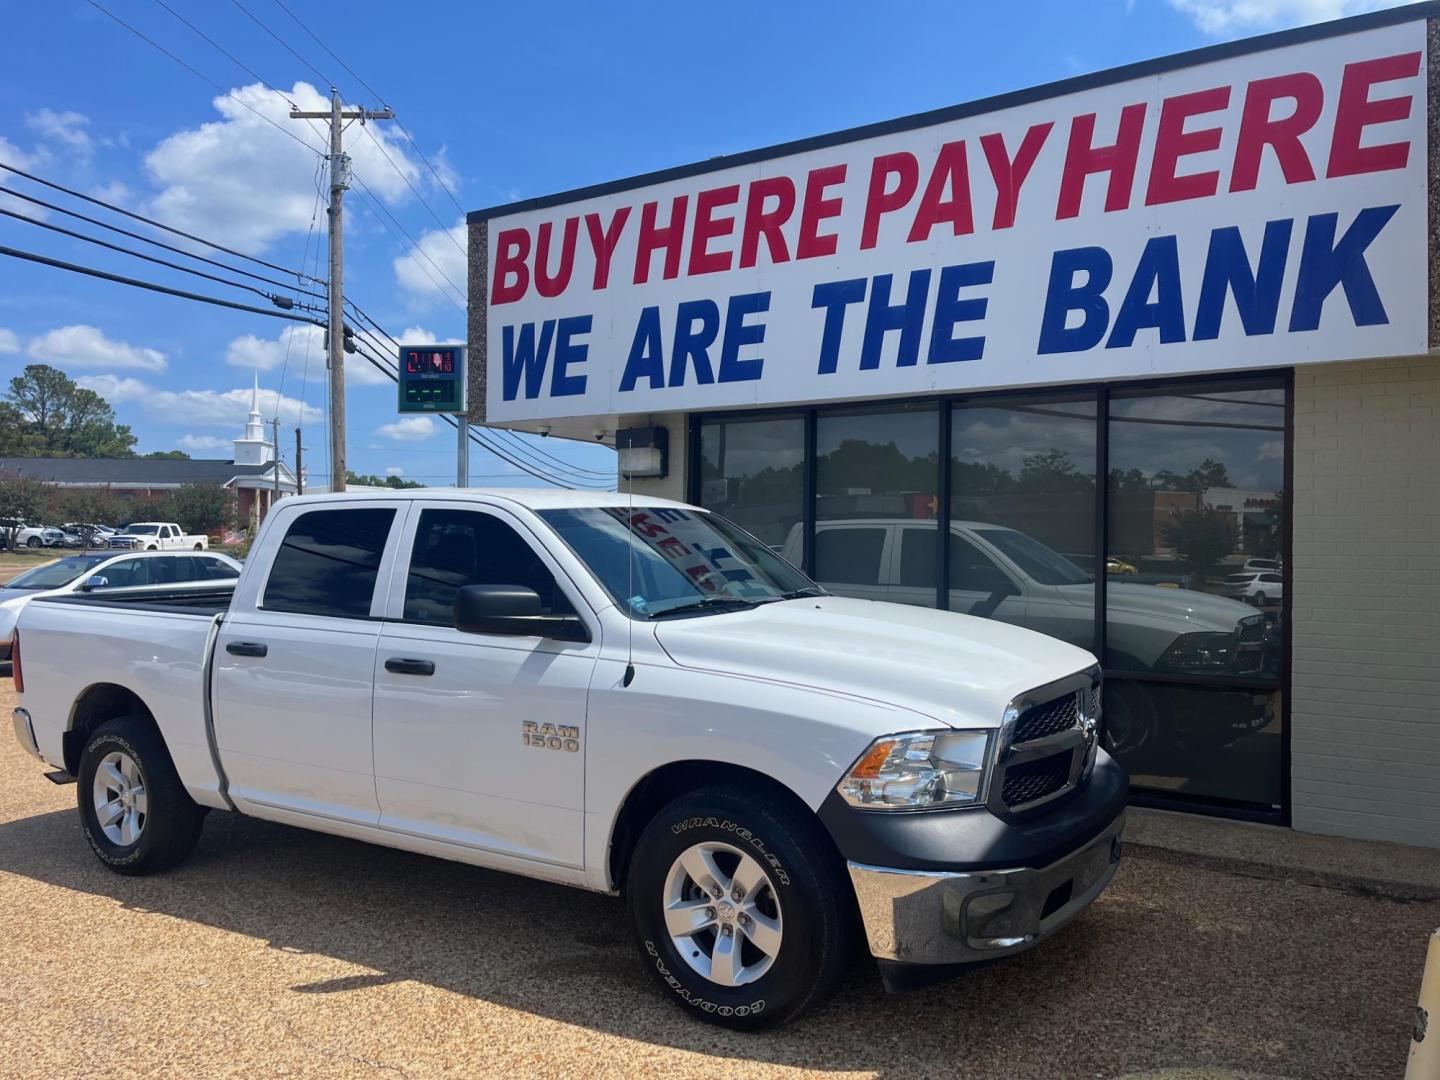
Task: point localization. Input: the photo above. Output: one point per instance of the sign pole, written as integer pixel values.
(462, 452)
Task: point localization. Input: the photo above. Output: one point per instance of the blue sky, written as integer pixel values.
(506, 102)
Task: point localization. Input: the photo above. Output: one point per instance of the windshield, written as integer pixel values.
(142, 530)
(1034, 558)
(681, 559)
(53, 575)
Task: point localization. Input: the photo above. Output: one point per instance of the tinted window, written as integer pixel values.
(127, 573)
(917, 557)
(328, 562)
(971, 570)
(849, 556)
(467, 547)
(53, 575)
(752, 472)
(214, 570)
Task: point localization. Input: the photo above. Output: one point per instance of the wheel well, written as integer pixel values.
(95, 705)
(659, 787)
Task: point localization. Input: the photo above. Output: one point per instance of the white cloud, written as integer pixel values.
(408, 429)
(9, 343)
(13, 155)
(66, 129)
(201, 408)
(83, 346)
(265, 354)
(247, 183)
(441, 271)
(200, 444)
(394, 470)
(1222, 17)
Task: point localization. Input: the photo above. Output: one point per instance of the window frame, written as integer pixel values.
(1280, 378)
(275, 540)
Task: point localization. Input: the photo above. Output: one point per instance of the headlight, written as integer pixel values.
(921, 770)
(1203, 650)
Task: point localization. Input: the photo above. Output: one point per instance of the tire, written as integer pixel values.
(33, 542)
(1261, 599)
(798, 905)
(1130, 721)
(199, 547)
(167, 823)
(151, 547)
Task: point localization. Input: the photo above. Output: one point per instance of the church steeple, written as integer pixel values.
(253, 448)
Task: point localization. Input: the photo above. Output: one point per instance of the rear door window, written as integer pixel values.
(849, 556)
(328, 563)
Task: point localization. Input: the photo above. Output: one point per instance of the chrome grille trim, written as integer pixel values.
(1078, 740)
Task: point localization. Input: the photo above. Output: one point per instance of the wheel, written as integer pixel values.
(33, 542)
(1261, 599)
(149, 547)
(739, 916)
(199, 547)
(1130, 721)
(136, 813)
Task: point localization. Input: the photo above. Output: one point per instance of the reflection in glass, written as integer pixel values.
(752, 472)
(1194, 742)
(1197, 502)
(1022, 508)
(877, 476)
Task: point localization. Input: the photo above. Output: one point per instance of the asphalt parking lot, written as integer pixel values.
(277, 952)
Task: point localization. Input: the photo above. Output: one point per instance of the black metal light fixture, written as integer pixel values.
(644, 452)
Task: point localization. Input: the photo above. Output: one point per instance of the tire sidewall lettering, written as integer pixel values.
(695, 1000)
(742, 833)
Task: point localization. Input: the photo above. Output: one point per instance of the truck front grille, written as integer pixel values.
(1048, 718)
(1035, 780)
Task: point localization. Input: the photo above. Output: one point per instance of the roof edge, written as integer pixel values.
(1277, 39)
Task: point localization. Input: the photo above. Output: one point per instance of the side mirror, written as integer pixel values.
(95, 581)
(513, 610)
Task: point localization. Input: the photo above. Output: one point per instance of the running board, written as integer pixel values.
(59, 776)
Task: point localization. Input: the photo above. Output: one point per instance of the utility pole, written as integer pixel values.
(462, 451)
(339, 182)
(275, 440)
(299, 465)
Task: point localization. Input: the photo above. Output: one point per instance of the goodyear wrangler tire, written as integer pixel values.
(135, 811)
(741, 918)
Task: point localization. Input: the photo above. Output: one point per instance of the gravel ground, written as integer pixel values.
(277, 952)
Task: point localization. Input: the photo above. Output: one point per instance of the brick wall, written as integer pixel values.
(1365, 709)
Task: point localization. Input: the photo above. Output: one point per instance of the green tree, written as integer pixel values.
(90, 506)
(371, 480)
(22, 499)
(166, 455)
(1051, 473)
(1209, 474)
(1202, 538)
(199, 508)
(57, 418)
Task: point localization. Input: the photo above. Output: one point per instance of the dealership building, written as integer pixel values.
(1142, 360)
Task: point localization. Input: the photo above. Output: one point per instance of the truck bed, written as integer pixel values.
(207, 602)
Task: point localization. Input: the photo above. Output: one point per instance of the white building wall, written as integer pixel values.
(1365, 707)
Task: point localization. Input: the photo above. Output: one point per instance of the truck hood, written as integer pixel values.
(1186, 608)
(954, 668)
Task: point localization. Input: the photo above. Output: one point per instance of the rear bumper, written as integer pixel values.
(938, 918)
(25, 733)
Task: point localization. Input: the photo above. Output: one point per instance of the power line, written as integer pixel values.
(376, 203)
(223, 51)
(327, 49)
(278, 301)
(56, 208)
(204, 78)
(31, 256)
(151, 221)
(446, 229)
(284, 44)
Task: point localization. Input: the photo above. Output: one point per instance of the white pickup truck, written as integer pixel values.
(156, 536)
(630, 698)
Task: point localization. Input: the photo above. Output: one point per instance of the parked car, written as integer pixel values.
(53, 536)
(156, 536)
(100, 572)
(22, 533)
(91, 534)
(1260, 589)
(1258, 566)
(1116, 565)
(624, 698)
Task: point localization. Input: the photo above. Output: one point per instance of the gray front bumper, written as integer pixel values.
(921, 917)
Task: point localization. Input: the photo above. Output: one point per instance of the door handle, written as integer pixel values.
(246, 648)
(401, 666)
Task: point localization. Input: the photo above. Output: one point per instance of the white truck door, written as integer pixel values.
(295, 660)
(479, 738)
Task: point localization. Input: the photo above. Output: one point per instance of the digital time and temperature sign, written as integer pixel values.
(432, 378)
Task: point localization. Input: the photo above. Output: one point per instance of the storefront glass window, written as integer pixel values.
(1022, 514)
(752, 472)
(877, 476)
(1197, 501)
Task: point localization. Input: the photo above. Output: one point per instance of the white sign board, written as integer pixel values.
(1255, 210)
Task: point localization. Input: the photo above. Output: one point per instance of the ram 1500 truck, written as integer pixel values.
(634, 697)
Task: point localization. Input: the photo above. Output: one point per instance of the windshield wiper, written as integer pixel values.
(797, 594)
(704, 602)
